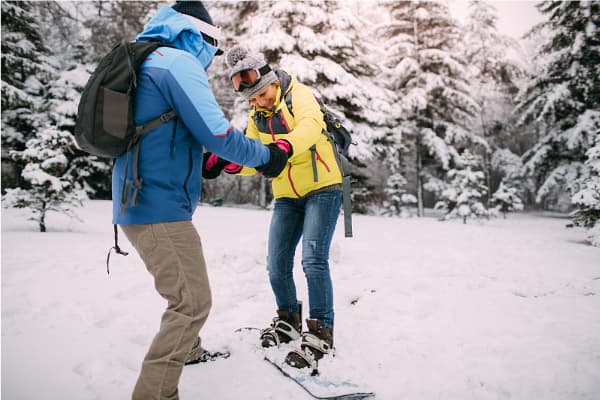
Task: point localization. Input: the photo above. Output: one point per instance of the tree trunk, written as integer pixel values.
(487, 170)
(487, 165)
(419, 183)
(43, 221)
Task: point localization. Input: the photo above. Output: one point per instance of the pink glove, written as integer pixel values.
(211, 161)
(232, 168)
(285, 146)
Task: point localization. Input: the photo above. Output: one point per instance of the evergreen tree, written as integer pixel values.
(428, 76)
(27, 69)
(49, 177)
(587, 197)
(494, 70)
(399, 199)
(464, 195)
(505, 199)
(563, 99)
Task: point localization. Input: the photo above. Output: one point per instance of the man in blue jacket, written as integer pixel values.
(170, 165)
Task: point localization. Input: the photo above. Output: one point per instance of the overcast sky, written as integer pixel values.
(515, 17)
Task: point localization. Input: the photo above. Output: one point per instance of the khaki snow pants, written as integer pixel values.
(173, 254)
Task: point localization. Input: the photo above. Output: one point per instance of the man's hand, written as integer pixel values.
(277, 161)
(212, 165)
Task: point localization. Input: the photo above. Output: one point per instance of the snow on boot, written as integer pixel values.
(285, 328)
(317, 342)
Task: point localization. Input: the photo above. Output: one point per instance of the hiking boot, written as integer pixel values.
(200, 355)
(284, 328)
(317, 342)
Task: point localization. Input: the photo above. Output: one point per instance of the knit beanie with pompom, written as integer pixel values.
(239, 59)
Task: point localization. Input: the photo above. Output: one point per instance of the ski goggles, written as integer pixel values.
(248, 78)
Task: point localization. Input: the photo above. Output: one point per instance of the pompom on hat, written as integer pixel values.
(240, 59)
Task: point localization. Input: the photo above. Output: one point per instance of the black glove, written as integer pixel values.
(277, 162)
(212, 165)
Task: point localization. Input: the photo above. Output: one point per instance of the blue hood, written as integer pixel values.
(170, 26)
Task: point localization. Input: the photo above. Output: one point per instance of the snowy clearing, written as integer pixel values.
(424, 309)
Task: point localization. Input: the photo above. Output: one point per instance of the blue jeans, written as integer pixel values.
(313, 218)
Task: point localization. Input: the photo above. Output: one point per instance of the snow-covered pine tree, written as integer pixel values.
(400, 200)
(321, 43)
(505, 199)
(494, 70)
(49, 177)
(26, 71)
(397, 198)
(587, 198)
(429, 77)
(464, 195)
(563, 99)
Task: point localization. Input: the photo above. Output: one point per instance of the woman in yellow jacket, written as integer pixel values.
(285, 113)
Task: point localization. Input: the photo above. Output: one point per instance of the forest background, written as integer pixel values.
(448, 115)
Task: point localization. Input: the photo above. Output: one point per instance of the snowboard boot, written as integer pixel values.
(317, 342)
(284, 328)
(200, 355)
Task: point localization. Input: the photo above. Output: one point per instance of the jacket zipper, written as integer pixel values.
(187, 178)
(271, 128)
(284, 122)
(322, 161)
(173, 139)
(291, 181)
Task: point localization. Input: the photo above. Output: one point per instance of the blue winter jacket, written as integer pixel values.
(170, 162)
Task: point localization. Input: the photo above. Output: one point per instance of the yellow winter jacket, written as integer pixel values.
(302, 127)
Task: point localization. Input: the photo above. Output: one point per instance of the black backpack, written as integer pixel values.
(105, 125)
(338, 133)
(335, 130)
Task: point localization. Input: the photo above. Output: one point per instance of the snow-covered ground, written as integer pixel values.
(424, 309)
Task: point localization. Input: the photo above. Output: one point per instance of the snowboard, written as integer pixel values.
(319, 387)
(327, 383)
